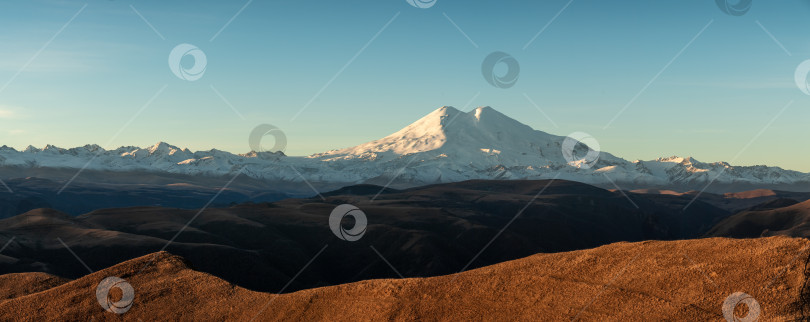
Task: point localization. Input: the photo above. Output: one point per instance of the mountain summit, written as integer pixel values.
(446, 145)
(449, 130)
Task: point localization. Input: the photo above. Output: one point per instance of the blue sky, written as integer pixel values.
(275, 56)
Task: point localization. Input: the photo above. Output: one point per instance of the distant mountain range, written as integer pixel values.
(444, 146)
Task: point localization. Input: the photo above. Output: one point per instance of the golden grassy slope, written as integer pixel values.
(652, 280)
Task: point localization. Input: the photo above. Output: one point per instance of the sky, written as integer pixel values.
(647, 79)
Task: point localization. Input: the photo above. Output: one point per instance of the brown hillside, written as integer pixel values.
(654, 280)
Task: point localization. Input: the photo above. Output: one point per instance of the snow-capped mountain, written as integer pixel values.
(446, 145)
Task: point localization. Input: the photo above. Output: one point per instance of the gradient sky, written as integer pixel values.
(275, 56)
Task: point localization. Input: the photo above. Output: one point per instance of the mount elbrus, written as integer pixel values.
(444, 146)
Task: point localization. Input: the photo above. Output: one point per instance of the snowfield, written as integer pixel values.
(446, 145)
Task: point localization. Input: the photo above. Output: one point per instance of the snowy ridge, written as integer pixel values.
(446, 145)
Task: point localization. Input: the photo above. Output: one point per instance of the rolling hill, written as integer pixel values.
(652, 280)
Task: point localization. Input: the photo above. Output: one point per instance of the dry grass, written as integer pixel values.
(652, 280)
